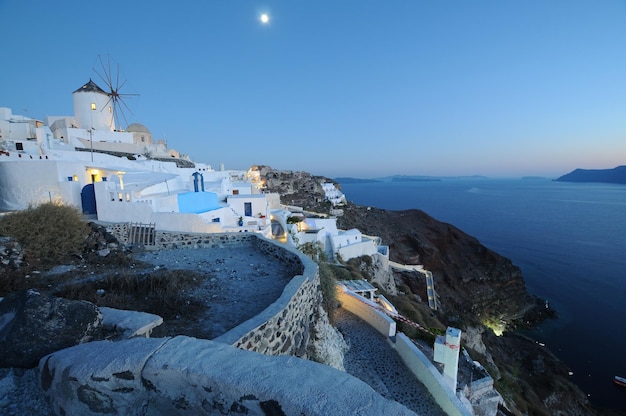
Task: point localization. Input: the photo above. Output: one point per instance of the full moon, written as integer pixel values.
(265, 18)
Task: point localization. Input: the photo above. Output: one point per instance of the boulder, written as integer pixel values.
(11, 253)
(189, 376)
(33, 325)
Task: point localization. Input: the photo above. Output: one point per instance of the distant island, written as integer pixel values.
(413, 179)
(534, 178)
(406, 178)
(615, 175)
(355, 180)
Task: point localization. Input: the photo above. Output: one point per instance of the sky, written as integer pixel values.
(357, 88)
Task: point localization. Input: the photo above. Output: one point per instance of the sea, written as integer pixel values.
(569, 239)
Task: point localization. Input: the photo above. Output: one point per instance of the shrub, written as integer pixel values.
(328, 284)
(49, 233)
(314, 251)
(294, 219)
(340, 273)
(162, 292)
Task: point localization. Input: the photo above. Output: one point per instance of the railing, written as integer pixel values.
(142, 234)
(430, 291)
(430, 281)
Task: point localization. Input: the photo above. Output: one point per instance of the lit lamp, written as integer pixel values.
(120, 175)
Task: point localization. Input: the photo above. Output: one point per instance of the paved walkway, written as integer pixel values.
(372, 360)
(239, 284)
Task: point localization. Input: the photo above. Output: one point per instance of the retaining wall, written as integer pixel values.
(358, 306)
(423, 369)
(428, 374)
(283, 327)
(189, 376)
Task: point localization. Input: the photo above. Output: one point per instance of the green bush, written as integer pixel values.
(328, 285)
(49, 233)
(341, 273)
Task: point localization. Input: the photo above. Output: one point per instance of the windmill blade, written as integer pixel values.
(107, 74)
(107, 103)
(99, 75)
(117, 79)
(116, 99)
(121, 112)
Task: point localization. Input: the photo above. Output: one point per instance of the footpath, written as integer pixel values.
(371, 359)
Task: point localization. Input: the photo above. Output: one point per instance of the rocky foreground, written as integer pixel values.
(478, 290)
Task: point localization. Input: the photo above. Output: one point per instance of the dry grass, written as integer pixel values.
(49, 233)
(166, 293)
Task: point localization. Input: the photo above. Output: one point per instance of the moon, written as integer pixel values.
(265, 18)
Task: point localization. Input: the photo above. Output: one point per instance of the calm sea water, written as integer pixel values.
(570, 242)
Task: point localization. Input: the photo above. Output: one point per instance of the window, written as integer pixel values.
(19, 146)
(235, 191)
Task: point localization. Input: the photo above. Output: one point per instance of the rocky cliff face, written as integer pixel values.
(295, 188)
(478, 290)
(473, 283)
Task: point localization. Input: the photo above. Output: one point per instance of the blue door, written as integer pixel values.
(88, 200)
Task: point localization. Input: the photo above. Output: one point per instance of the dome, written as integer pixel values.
(137, 128)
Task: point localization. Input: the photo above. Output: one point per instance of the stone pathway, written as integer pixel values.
(372, 360)
(239, 284)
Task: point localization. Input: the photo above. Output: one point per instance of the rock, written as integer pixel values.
(188, 376)
(381, 275)
(11, 253)
(295, 188)
(327, 345)
(33, 325)
(104, 252)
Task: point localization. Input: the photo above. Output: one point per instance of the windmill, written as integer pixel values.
(113, 88)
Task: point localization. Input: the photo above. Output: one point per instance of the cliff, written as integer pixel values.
(615, 175)
(479, 291)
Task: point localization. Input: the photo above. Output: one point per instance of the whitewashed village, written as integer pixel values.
(125, 179)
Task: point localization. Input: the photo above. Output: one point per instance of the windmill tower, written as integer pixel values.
(97, 109)
(92, 108)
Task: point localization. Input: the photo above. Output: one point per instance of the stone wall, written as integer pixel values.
(189, 376)
(283, 328)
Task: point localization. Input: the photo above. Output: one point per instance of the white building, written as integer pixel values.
(85, 160)
(332, 194)
(323, 231)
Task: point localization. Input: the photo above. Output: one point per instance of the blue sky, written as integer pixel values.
(342, 88)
